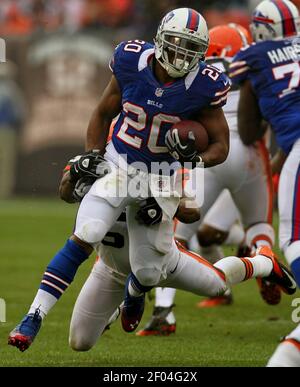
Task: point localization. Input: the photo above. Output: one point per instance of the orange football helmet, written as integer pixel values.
(227, 40)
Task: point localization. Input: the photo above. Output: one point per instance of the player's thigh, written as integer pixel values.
(194, 274)
(101, 294)
(254, 194)
(95, 218)
(114, 249)
(289, 199)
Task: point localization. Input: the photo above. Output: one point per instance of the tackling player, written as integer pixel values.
(98, 302)
(268, 73)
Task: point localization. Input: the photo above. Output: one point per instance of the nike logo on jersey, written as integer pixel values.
(173, 271)
(227, 83)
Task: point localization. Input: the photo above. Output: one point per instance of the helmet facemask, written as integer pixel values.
(179, 53)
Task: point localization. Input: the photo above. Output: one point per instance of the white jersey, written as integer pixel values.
(231, 108)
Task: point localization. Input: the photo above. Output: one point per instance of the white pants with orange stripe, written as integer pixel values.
(246, 174)
(103, 291)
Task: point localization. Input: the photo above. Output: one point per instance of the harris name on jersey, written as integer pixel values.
(285, 54)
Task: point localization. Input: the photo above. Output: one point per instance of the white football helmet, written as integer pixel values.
(275, 19)
(181, 41)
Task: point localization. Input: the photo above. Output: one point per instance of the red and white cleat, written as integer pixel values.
(24, 333)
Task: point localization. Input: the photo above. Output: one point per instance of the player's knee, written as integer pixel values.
(208, 236)
(80, 343)
(218, 287)
(81, 337)
(148, 277)
(291, 251)
(92, 232)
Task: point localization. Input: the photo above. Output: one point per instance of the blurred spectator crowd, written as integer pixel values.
(24, 17)
(25, 23)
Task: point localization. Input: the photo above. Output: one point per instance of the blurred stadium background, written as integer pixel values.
(57, 66)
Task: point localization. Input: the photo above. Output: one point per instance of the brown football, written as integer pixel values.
(200, 133)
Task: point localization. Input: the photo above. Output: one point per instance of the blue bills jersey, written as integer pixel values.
(149, 109)
(273, 68)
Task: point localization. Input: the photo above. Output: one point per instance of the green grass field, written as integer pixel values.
(244, 334)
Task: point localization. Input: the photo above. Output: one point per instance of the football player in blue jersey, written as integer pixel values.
(152, 87)
(247, 197)
(269, 75)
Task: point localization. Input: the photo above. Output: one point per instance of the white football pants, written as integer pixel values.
(104, 289)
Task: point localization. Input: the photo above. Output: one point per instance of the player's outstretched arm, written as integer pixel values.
(66, 188)
(252, 127)
(216, 125)
(188, 212)
(80, 174)
(108, 108)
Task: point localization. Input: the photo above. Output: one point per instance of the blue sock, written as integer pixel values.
(136, 285)
(62, 269)
(296, 270)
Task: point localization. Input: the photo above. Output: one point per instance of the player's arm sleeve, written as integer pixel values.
(239, 69)
(116, 58)
(188, 212)
(220, 90)
(215, 87)
(120, 65)
(66, 187)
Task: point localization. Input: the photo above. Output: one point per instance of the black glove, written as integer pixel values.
(82, 187)
(150, 212)
(184, 153)
(88, 165)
